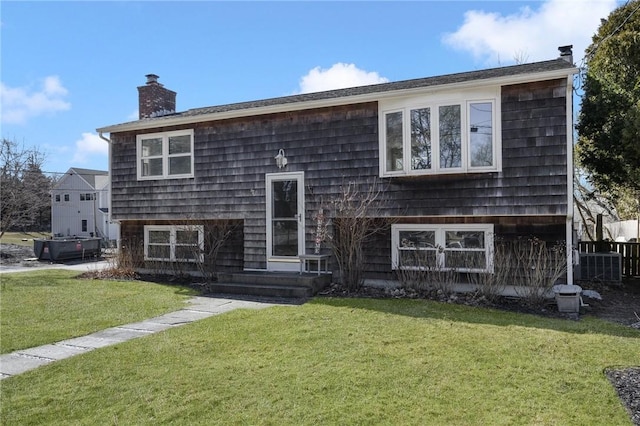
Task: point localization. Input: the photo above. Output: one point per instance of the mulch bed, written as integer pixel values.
(627, 384)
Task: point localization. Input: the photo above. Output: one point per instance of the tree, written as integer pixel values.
(609, 122)
(24, 194)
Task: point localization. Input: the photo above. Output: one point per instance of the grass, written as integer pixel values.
(47, 306)
(18, 237)
(340, 361)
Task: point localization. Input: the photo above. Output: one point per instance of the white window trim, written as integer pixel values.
(172, 241)
(165, 154)
(440, 232)
(434, 101)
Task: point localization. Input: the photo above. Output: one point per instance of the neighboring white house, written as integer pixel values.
(80, 205)
(624, 230)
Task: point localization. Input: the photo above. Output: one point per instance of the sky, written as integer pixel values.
(70, 67)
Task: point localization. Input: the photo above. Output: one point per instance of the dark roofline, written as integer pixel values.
(448, 79)
(87, 175)
(88, 171)
(393, 86)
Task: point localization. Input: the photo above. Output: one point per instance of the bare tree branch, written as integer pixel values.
(24, 195)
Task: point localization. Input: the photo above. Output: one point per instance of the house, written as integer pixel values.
(80, 205)
(464, 159)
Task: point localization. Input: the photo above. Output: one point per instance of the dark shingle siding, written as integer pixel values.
(335, 145)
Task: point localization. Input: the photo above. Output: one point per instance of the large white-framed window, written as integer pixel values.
(440, 134)
(174, 243)
(461, 247)
(166, 155)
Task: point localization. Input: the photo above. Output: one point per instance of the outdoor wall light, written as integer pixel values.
(281, 160)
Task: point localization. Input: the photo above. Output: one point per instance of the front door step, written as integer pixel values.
(270, 284)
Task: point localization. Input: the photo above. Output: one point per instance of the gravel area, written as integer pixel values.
(627, 384)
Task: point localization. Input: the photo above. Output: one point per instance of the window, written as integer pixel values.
(174, 243)
(165, 155)
(84, 225)
(86, 197)
(66, 197)
(464, 248)
(439, 135)
(57, 198)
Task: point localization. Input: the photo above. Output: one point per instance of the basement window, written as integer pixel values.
(461, 247)
(167, 155)
(173, 243)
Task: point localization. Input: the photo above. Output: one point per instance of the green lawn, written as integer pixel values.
(47, 306)
(18, 237)
(341, 361)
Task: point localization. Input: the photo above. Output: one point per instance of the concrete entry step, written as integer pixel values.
(271, 284)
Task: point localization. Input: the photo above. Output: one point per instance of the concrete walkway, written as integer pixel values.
(78, 265)
(198, 308)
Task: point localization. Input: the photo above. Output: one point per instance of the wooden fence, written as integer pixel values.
(630, 254)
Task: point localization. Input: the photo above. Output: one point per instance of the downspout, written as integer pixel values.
(570, 184)
(108, 141)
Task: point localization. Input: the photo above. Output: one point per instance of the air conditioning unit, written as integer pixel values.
(606, 267)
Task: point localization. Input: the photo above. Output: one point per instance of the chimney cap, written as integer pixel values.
(152, 78)
(566, 50)
(566, 53)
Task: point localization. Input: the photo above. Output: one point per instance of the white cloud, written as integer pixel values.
(530, 35)
(21, 103)
(89, 146)
(339, 76)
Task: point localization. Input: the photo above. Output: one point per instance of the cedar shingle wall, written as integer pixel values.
(229, 257)
(340, 144)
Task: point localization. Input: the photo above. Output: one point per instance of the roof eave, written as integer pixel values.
(336, 101)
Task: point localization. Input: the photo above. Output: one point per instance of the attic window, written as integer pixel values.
(166, 155)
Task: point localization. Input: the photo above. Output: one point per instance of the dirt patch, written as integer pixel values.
(620, 303)
(13, 256)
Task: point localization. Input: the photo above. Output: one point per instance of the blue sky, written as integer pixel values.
(68, 68)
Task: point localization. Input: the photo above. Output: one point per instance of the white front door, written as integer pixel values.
(285, 220)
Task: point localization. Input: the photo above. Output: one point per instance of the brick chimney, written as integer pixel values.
(154, 100)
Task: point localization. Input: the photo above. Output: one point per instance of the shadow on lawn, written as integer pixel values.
(429, 309)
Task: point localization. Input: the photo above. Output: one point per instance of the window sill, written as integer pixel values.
(443, 176)
(141, 178)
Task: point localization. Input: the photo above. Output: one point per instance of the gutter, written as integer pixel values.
(570, 255)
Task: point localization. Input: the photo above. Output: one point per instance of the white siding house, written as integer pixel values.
(80, 205)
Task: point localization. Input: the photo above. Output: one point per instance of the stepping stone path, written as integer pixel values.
(199, 308)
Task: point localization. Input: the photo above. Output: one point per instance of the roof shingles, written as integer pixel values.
(492, 73)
